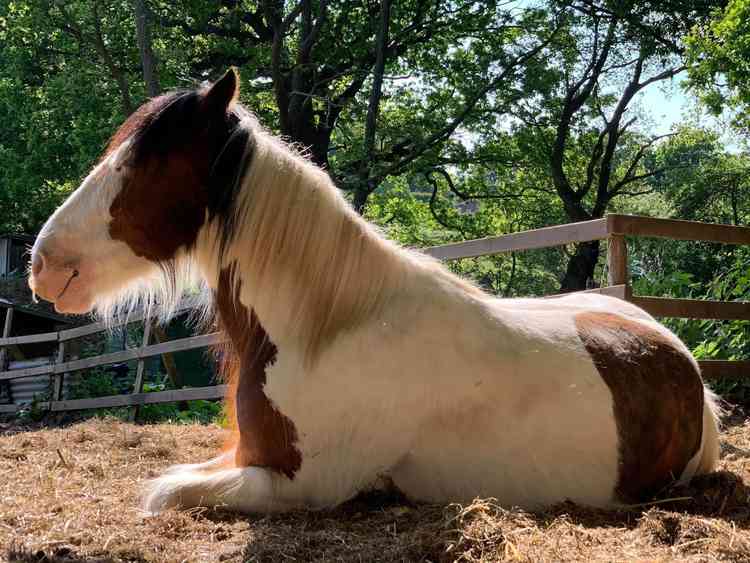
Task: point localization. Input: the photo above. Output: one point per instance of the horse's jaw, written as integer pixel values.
(75, 305)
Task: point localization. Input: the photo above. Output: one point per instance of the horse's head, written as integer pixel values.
(143, 203)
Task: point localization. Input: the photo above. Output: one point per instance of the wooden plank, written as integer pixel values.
(29, 339)
(693, 308)
(160, 335)
(183, 344)
(6, 334)
(136, 316)
(207, 393)
(717, 369)
(101, 326)
(138, 383)
(58, 384)
(189, 343)
(8, 322)
(617, 260)
(9, 409)
(77, 332)
(526, 240)
(621, 291)
(26, 372)
(676, 229)
(95, 361)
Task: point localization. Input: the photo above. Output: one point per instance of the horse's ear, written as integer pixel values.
(222, 93)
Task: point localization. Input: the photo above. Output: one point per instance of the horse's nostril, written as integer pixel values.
(37, 263)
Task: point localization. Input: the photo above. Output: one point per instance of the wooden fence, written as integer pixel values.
(613, 228)
(62, 366)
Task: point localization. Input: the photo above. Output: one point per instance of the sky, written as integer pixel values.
(667, 105)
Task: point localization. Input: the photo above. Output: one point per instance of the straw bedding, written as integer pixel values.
(70, 494)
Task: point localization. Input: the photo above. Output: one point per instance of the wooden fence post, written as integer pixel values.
(138, 383)
(6, 334)
(617, 260)
(58, 387)
(3, 349)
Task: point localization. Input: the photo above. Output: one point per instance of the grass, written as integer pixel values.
(71, 495)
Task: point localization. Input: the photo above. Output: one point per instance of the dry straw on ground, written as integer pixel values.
(71, 495)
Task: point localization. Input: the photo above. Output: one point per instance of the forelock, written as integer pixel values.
(144, 122)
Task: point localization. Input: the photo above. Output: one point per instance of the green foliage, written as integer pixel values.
(96, 382)
(203, 412)
(33, 412)
(719, 58)
(728, 340)
(56, 111)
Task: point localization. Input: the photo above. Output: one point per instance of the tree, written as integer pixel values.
(148, 60)
(318, 59)
(701, 180)
(86, 27)
(718, 55)
(605, 55)
(59, 102)
(494, 116)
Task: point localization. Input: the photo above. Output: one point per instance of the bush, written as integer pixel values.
(203, 412)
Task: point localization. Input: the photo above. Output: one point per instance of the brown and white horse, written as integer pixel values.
(352, 359)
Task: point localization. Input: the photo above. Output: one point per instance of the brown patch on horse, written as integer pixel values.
(188, 151)
(170, 207)
(265, 437)
(657, 396)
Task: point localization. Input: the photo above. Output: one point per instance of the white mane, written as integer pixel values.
(301, 253)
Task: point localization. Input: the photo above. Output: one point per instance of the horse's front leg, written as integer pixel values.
(266, 471)
(246, 489)
(224, 460)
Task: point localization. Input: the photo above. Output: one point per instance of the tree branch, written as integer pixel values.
(434, 213)
(470, 104)
(575, 97)
(630, 176)
(366, 185)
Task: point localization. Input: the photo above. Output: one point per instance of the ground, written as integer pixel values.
(70, 494)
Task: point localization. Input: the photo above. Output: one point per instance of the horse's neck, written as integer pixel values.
(302, 260)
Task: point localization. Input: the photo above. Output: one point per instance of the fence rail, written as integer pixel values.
(614, 228)
(62, 368)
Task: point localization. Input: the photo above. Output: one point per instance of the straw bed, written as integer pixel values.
(71, 495)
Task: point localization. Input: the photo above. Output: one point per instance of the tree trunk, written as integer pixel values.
(315, 139)
(581, 267)
(115, 71)
(361, 194)
(366, 184)
(148, 60)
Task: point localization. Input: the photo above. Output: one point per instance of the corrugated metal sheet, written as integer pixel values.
(25, 389)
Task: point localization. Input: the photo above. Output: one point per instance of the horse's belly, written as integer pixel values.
(549, 438)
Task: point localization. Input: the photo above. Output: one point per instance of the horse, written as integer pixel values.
(353, 362)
